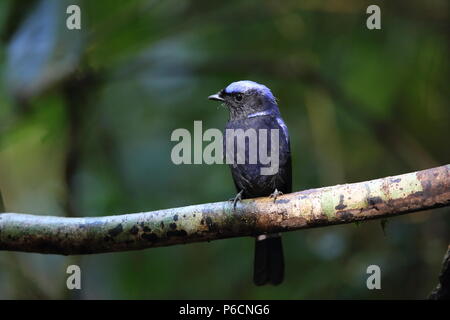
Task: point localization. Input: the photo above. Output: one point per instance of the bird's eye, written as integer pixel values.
(238, 97)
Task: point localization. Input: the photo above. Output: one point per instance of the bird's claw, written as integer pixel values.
(237, 198)
(275, 195)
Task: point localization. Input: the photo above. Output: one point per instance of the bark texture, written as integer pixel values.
(380, 198)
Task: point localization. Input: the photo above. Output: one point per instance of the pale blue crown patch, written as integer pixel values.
(247, 85)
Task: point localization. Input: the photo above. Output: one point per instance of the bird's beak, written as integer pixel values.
(216, 97)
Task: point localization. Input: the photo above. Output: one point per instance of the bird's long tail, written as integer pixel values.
(269, 260)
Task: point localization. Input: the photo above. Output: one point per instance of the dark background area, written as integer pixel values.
(86, 118)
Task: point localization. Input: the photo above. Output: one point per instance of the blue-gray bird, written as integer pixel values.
(252, 106)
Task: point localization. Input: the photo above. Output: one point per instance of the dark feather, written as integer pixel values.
(252, 106)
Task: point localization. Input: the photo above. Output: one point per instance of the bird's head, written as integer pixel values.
(245, 97)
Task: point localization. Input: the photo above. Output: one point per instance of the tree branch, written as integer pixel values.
(339, 204)
(442, 291)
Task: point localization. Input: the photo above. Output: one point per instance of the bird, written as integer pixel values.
(253, 106)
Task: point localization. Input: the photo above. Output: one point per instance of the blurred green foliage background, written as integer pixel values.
(86, 117)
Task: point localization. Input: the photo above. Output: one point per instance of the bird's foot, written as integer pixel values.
(237, 198)
(275, 195)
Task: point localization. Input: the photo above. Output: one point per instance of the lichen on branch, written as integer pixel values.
(380, 198)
